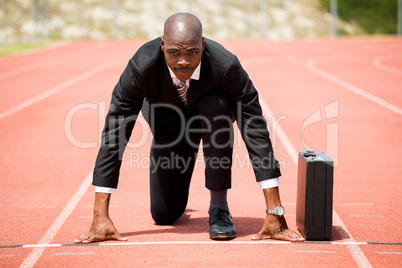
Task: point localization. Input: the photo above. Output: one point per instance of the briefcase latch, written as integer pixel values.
(310, 154)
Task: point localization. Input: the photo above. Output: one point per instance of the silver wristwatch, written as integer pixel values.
(279, 211)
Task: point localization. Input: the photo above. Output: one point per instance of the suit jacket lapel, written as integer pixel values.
(169, 92)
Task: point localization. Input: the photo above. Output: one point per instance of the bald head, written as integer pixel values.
(182, 44)
(183, 27)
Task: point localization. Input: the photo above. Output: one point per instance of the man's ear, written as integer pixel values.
(162, 43)
(203, 43)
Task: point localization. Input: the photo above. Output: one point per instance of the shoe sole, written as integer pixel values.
(222, 237)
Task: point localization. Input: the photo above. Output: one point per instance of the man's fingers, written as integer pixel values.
(296, 237)
(260, 236)
(285, 236)
(93, 239)
(81, 238)
(77, 241)
(119, 237)
(86, 239)
(102, 228)
(99, 238)
(269, 231)
(288, 235)
(257, 237)
(89, 240)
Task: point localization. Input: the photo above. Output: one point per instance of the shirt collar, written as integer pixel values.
(194, 76)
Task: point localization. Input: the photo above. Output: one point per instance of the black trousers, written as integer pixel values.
(174, 153)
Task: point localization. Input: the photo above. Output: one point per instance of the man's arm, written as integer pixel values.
(125, 105)
(250, 121)
(127, 99)
(253, 128)
(275, 227)
(102, 226)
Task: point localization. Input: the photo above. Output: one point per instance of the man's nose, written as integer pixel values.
(183, 61)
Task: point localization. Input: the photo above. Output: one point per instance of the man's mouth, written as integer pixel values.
(183, 71)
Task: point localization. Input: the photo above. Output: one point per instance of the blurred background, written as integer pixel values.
(38, 21)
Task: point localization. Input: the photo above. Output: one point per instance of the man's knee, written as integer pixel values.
(166, 217)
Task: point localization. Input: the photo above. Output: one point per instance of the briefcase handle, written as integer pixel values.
(310, 154)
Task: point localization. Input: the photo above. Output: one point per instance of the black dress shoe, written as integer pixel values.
(221, 225)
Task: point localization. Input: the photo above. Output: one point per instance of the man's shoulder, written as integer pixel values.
(154, 44)
(148, 53)
(218, 52)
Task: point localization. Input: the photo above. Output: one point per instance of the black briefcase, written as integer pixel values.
(314, 196)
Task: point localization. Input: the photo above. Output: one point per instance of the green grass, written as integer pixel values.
(374, 16)
(6, 50)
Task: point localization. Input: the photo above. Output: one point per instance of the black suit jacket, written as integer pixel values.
(146, 84)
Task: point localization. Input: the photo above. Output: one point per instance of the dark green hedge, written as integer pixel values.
(373, 16)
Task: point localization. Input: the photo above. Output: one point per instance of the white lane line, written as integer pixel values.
(279, 132)
(314, 251)
(39, 65)
(36, 252)
(366, 216)
(378, 63)
(354, 249)
(33, 218)
(349, 243)
(58, 88)
(6, 256)
(42, 246)
(397, 253)
(310, 65)
(74, 253)
(35, 51)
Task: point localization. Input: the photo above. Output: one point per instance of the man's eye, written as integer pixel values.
(173, 53)
(193, 52)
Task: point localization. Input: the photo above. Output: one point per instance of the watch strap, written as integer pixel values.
(275, 211)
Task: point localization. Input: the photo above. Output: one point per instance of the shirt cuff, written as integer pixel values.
(105, 190)
(270, 183)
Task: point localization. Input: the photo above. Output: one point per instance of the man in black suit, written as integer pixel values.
(189, 89)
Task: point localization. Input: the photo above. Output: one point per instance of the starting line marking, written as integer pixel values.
(267, 242)
(358, 204)
(314, 251)
(366, 216)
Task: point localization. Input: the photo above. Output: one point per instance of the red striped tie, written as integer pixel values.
(182, 87)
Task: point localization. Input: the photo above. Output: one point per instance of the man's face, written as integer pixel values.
(182, 54)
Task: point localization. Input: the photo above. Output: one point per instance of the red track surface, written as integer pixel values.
(52, 108)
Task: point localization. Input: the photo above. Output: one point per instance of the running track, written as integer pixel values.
(341, 97)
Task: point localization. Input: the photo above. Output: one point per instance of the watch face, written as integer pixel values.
(280, 210)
